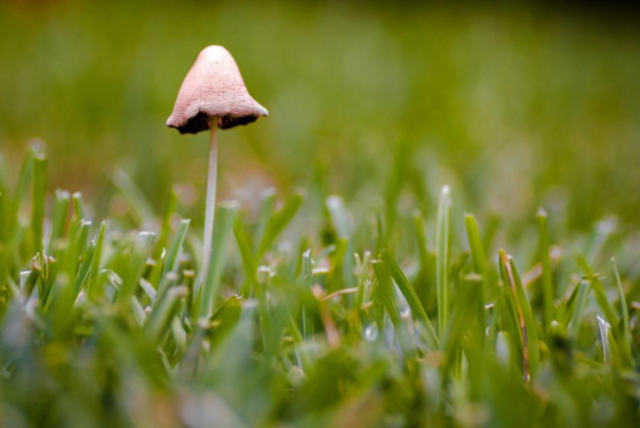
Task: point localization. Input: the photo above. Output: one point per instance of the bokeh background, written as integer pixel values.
(514, 106)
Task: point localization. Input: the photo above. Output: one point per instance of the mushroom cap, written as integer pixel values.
(213, 88)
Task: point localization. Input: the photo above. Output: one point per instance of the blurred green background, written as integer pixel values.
(514, 106)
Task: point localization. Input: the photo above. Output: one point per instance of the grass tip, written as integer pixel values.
(473, 277)
(231, 204)
(334, 201)
(607, 225)
(37, 146)
(264, 272)
(62, 194)
(268, 192)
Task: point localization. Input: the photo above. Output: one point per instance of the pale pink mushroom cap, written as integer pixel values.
(213, 88)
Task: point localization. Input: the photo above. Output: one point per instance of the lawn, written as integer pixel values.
(437, 224)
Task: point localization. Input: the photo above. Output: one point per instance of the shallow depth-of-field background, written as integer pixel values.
(347, 285)
(512, 106)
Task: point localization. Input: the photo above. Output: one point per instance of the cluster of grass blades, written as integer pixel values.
(387, 321)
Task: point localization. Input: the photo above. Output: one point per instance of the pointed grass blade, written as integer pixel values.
(412, 299)
(442, 258)
(58, 218)
(38, 198)
(224, 225)
(95, 289)
(277, 223)
(625, 340)
(548, 289)
(265, 213)
(157, 324)
(140, 206)
(141, 250)
(524, 315)
(173, 255)
(387, 296)
(475, 245)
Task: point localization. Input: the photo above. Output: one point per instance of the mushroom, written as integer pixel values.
(212, 96)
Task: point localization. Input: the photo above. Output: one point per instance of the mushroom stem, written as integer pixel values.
(210, 209)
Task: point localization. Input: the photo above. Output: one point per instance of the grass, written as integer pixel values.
(430, 324)
(512, 106)
(348, 286)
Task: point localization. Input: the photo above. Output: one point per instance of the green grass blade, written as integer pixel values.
(577, 315)
(388, 300)
(342, 272)
(138, 312)
(277, 223)
(28, 281)
(475, 245)
(21, 188)
(421, 240)
(78, 207)
(397, 178)
(264, 310)
(599, 235)
(603, 302)
(265, 213)
(548, 288)
(74, 252)
(527, 323)
(381, 238)
(335, 278)
(157, 324)
(225, 319)
(59, 218)
(442, 258)
(425, 282)
(166, 283)
(625, 340)
(467, 324)
(479, 258)
(225, 219)
(165, 226)
(141, 208)
(362, 267)
(306, 282)
(141, 250)
(85, 268)
(38, 199)
(173, 255)
(242, 238)
(95, 289)
(412, 299)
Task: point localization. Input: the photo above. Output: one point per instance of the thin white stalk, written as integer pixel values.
(211, 196)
